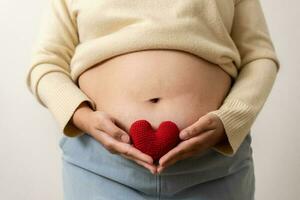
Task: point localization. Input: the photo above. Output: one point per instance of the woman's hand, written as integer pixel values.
(201, 135)
(102, 127)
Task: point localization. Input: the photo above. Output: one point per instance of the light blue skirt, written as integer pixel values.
(90, 172)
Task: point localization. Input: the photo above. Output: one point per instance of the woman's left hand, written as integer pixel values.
(201, 135)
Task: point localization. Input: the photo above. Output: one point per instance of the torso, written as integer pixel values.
(156, 85)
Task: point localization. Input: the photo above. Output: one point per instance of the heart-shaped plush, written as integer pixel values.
(155, 143)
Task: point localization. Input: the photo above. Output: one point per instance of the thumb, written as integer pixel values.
(202, 124)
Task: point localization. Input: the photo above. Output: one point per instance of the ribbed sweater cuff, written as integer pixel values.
(237, 118)
(62, 97)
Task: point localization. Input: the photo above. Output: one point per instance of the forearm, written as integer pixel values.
(62, 97)
(80, 115)
(244, 102)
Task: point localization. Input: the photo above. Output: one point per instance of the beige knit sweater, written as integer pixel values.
(76, 34)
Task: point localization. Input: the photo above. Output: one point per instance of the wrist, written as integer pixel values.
(80, 114)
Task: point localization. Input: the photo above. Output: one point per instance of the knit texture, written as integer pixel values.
(155, 143)
(77, 34)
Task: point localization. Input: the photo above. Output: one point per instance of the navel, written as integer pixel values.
(154, 100)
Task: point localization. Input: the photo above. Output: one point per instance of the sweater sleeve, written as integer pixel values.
(48, 77)
(256, 75)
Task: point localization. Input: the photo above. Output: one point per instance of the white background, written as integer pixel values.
(30, 159)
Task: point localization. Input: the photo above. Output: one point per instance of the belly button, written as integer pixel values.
(154, 100)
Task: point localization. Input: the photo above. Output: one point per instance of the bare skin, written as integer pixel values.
(155, 85)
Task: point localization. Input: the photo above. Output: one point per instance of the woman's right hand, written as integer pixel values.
(102, 127)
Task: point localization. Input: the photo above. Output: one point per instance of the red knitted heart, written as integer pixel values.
(151, 142)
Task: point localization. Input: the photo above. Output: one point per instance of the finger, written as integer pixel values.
(112, 129)
(160, 168)
(187, 154)
(106, 140)
(199, 142)
(170, 162)
(167, 164)
(173, 152)
(175, 159)
(146, 165)
(202, 124)
(123, 148)
(183, 156)
(129, 150)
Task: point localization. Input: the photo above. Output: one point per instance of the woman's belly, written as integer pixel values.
(156, 85)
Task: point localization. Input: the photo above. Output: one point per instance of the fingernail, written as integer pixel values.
(159, 170)
(125, 138)
(150, 161)
(153, 171)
